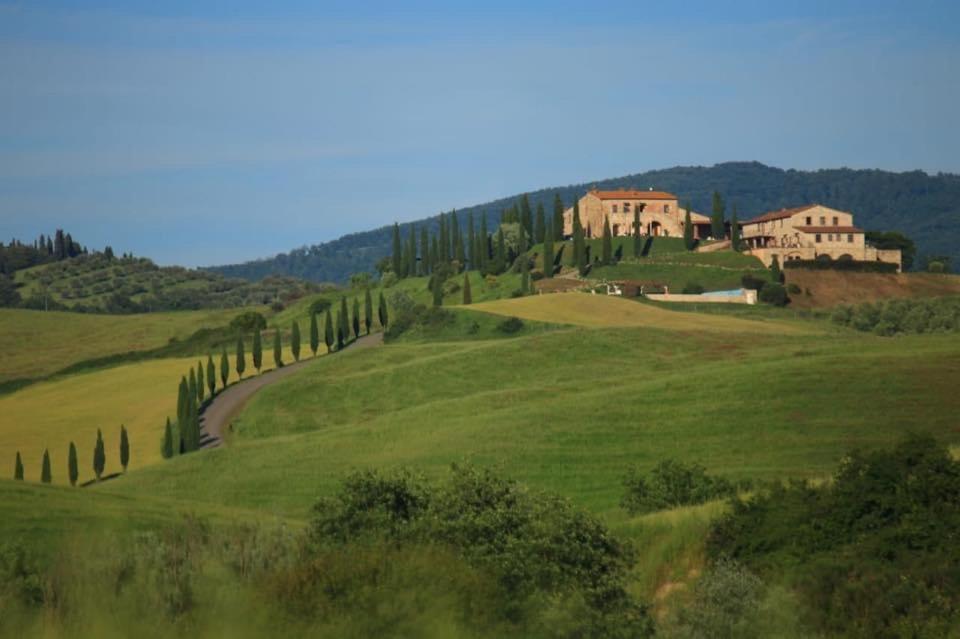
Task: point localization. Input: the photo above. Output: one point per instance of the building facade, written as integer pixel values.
(810, 232)
(660, 214)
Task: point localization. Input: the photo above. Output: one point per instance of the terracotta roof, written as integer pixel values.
(828, 229)
(633, 195)
(778, 215)
(697, 218)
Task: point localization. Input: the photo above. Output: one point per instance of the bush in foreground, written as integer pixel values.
(670, 484)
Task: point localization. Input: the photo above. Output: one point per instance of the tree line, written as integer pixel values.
(73, 467)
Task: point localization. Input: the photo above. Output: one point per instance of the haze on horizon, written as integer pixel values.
(219, 133)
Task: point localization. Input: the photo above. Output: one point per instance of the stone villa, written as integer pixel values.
(660, 214)
(810, 232)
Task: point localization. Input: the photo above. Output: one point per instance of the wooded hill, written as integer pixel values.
(924, 207)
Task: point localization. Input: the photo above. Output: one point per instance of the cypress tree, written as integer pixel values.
(467, 297)
(167, 449)
(434, 253)
(397, 251)
(436, 288)
(45, 474)
(424, 251)
(526, 215)
(637, 238)
(557, 217)
(201, 382)
(182, 400)
(734, 230)
(500, 259)
(99, 456)
(344, 327)
(382, 313)
(687, 231)
(775, 273)
(483, 242)
(456, 252)
(295, 340)
(539, 225)
(367, 309)
(328, 331)
(412, 252)
(211, 375)
(18, 468)
(443, 255)
(716, 220)
(548, 252)
(277, 348)
(579, 250)
(356, 318)
(124, 448)
(471, 243)
(314, 334)
(73, 469)
(241, 362)
(192, 386)
(524, 274)
(607, 245)
(257, 350)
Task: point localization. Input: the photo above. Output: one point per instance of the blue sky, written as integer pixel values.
(202, 133)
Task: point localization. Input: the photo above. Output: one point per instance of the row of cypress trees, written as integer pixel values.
(73, 470)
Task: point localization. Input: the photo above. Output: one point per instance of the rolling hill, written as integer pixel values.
(925, 207)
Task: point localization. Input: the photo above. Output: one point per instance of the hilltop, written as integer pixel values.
(924, 207)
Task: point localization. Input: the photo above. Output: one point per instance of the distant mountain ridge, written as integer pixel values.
(925, 207)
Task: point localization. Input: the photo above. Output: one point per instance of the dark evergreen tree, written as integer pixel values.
(716, 220)
(192, 385)
(294, 340)
(424, 251)
(124, 448)
(434, 253)
(277, 348)
(557, 224)
(411, 269)
(548, 256)
(73, 466)
(201, 382)
(688, 240)
(500, 258)
(46, 475)
(467, 296)
(734, 230)
(99, 456)
(182, 400)
(483, 242)
(382, 311)
(539, 225)
(343, 325)
(257, 350)
(526, 215)
(355, 318)
(524, 274)
(18, 468)
(328, 331)
(397, 251)
(579, 247)
(471, 243)
(444, 254)
(607, 243)
(167, 449)
(314, 334)
(456, 249)
(241, 359)
(637, 236)
(211, 375)
(775, 273)
(367, 310)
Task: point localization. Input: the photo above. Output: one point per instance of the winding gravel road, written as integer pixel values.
(228, 404)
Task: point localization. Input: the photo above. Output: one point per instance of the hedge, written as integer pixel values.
(841, 265)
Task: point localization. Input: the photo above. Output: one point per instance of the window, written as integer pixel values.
(817, 239)
(830, 237)
(836, 221)
(809, 221)
(666, 208)
(850, 237)
(614, 208)
(823, 220)
(626, 207)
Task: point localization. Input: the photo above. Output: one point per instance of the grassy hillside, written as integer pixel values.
(825, 289)
(924, 206)
(97, 283)
(569, 410)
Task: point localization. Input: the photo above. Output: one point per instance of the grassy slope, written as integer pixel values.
(830, 288)
(571, 409)
(35, 343)
(141, 396)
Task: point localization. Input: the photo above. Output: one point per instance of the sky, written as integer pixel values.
(208, 133)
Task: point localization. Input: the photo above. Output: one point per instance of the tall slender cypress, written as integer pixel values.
(557, 217)
(688, 239)
(437, 290)
(637, 237)
(241, 359)
(483, 242)
(328, 331)
(277, 348)
(607, 243)
(579, 250)
(314, 333)
(716, 220)
(124, 448)
(367, 309)
(18, 468)
(548, 252)
(539, 225)
(192, 385)
(471, 243)
(500, 259)
(467, 296)
(167, 449)
(397, 251)
(343, 330)
(410, 268)
(434, 253)
(257, 350)
(295, 340)
(73, 468)
(526, 215)
(456, 241)
(201, 382)
(46, 475)
(382, 313)
(734, 230)
(424, 251)
(99, 456)
(524, 274)
(356, 318)
(444, 253)
(211, 375)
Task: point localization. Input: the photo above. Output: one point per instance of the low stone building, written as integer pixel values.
(660, 214)
(810, 232)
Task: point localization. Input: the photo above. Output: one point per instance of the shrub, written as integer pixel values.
(319, 307)
(793, 289)
(692, 288)
(891, 317)
(725, 600)
(510, 325)
(671, 484)
(752, 282)
(389, 279)
(774, 294)
(248, 322)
